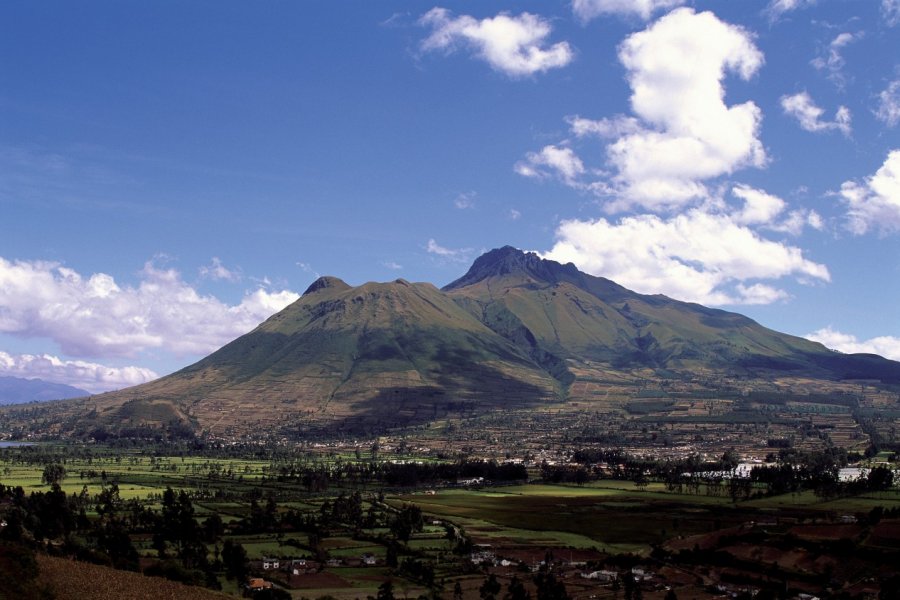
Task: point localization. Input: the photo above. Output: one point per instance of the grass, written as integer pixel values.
(607, 516)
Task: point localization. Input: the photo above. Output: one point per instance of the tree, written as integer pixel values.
(234, 559)
(890, 589)
(516, 590)
(457, 591)
(408, 520)
(880, 478)
(213, 528)
(113, 539)
(53, 473)
(550, 588)
(629, 585)
(385, 591)
(490, 588)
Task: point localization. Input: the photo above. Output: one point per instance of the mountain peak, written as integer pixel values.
(326, 282)
(512, 261)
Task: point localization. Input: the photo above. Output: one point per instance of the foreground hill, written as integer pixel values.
(70, 580)
(516, 331)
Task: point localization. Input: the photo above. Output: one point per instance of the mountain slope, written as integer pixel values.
(516, 331)
(556, 311)
(383, 352)
(15, 390)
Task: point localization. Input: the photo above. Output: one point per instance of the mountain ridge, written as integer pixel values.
(516, 331)
(18, 390)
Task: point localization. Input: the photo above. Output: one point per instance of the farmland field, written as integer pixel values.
(330, 512)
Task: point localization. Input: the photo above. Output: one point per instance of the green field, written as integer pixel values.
(598, 519)
(613, 516)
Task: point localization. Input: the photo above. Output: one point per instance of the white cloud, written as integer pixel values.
(305, 267)
(833, 60)
(815, 220)
(683, 132)
(552, 160)
(514, 214)
(890, 10)
(796, 220)
(465, 200)
(392, 265)
(889, 102)
(217, 271)
(874, 204)
(457, 254)
(886, 346)
(603, 128)
(760, 293)
(759, 206)
(516, 46)
(95, 316)
(777, 8)
(590, 9)
(675, 69)
(88, 376)
(697, 256)
(802, 107)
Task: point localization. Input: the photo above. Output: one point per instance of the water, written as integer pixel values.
(14, 444)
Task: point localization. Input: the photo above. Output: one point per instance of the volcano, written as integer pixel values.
(515, 332)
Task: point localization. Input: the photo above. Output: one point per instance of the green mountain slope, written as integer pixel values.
(559, 315)
(516, 331)
(386, 353)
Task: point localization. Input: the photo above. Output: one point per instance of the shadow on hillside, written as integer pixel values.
(464, 386)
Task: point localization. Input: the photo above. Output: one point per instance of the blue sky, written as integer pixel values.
(172, 173)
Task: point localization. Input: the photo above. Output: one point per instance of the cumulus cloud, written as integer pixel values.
(886, 346)
(465, 200)
(874, 203)
(95, 316)
(675, 69)
(552, 161)
(454, 254)
(777, 8)
(833, 61)
(888, 110)
(802, 107)
(890, 10)
(591, 9)
(766, 211)
(759, 206)
(699, 256)
(514, 214)
(88, 376)
(394, 266)
(514, 45)
(682, 133)
(217, 271)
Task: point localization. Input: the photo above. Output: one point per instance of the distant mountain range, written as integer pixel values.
(514, 331)
(15, 390)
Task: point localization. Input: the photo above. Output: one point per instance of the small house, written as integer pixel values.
(605, 576)
(258, 583)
